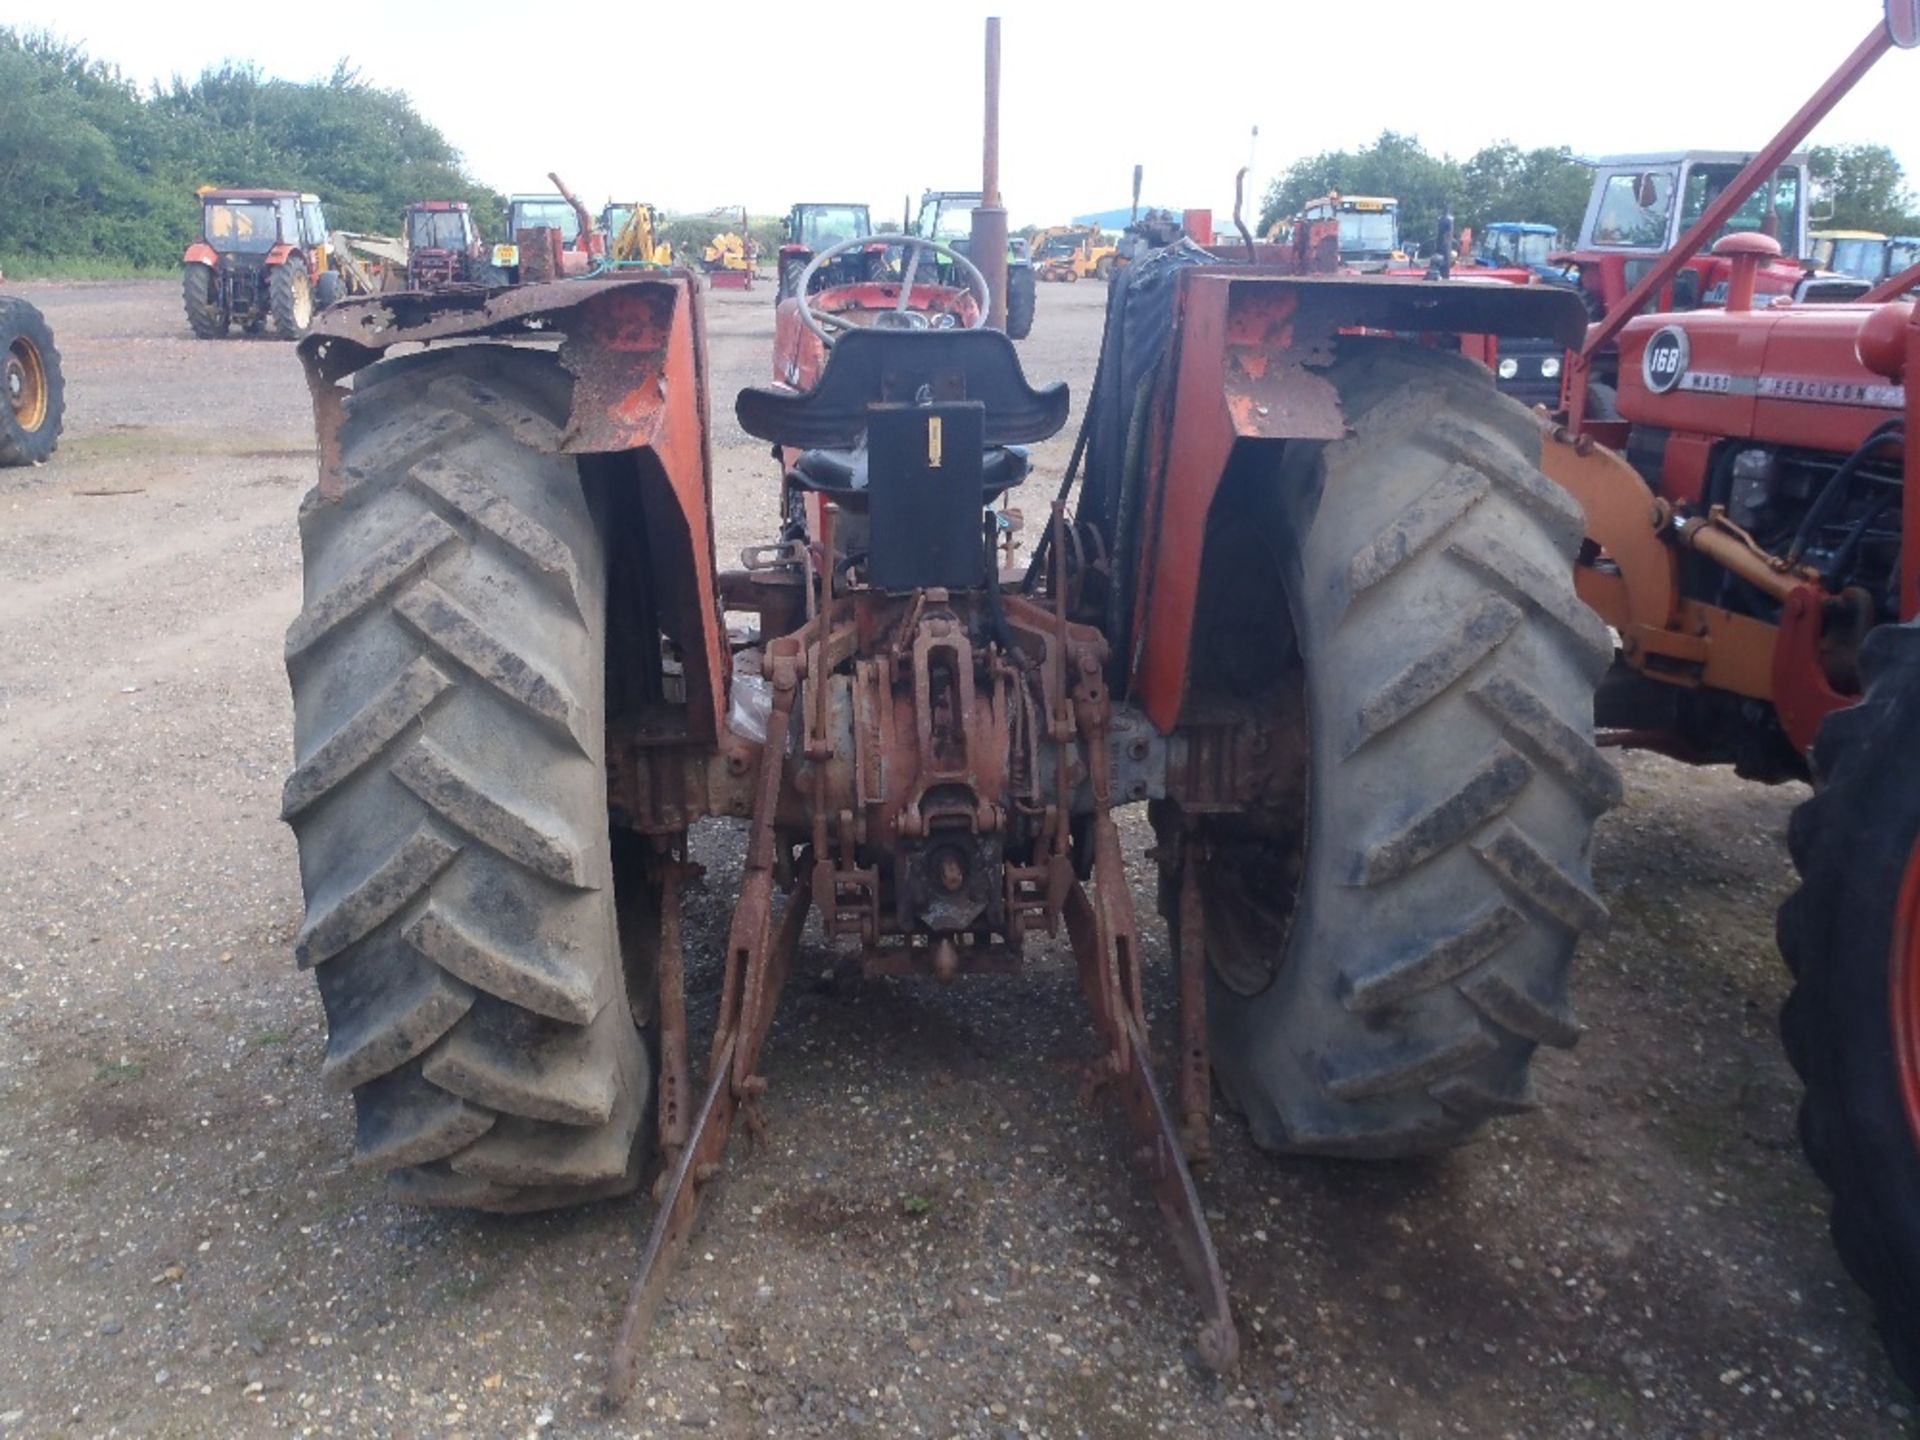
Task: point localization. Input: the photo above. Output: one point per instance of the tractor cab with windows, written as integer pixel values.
(262, 256)
(1641, 205)
(443, 247)
(812, 227)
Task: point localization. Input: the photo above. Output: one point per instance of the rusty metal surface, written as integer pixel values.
(1105, 947)
(1196, 1069)
(675, 1084)
(635, 346)
(756, 966)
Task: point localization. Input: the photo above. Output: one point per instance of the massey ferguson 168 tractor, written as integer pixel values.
(1750, 541)
(1306, 590)
(262, 256)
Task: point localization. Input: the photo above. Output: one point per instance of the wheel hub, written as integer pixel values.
(1904, 972)
(26, 385)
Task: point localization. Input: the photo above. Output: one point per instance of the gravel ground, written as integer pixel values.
(937, 1239)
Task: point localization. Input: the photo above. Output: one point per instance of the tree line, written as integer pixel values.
(95, 170)
(1863, 185)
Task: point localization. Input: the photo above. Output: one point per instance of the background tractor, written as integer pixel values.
(263, 257)
(1369, 229)
(549, 237)
(1517, 244)
(812, 226)
(443, 247)
(947, 216)
(35, 388)
(1642, 206)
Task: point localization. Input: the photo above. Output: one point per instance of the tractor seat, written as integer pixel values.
(906, 367)
(842, 474)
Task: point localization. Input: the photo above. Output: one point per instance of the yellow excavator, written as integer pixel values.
(636, 237)
(1072, 252)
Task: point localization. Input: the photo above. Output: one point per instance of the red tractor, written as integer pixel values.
(444, 248)
(1312, 607)
(1306, 590)
(1753, 542)
(263, 257)
(812, 226)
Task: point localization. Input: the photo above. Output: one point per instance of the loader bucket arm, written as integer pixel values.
(636, 349)
(1242, 367)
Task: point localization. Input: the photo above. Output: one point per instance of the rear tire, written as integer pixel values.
(450, 793)
(292, 299)
(204, 315)
(329, 290)
(1021, 298)
(1853, 843)
(1382, 993)
(33, 398)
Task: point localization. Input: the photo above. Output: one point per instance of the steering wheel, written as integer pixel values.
(826, 324)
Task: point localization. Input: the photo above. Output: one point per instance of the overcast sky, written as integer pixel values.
(700, 106)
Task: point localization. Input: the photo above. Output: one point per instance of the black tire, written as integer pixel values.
(291, 299)
(1021, 295)
(204, 315)
(790, 269)
(1852, 843)
(450, 795)
(33, 392)
(1381, 992)
(329, 289)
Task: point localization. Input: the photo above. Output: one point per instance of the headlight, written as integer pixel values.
(506, 255)
(1550, 368)
(1509, 368)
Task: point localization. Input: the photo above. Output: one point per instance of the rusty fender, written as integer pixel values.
(636, 348)
(1245, 367)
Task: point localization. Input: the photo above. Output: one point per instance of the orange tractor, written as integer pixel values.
(263, 257)
(1307, 591)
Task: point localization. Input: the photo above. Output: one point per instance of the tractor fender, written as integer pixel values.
(201, 253)
(1242, 367)
(636, 349)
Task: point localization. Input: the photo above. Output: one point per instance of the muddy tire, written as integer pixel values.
(33, 392)
(291, 300)
(1022, 293)
(450, 795)
(1854, 843)
(204, 315)
(1382, 992)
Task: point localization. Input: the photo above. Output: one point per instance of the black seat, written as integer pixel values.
(842, 474)
(902, 367)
